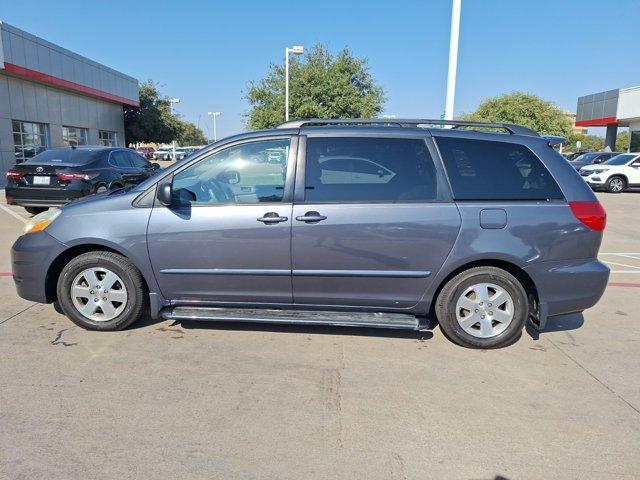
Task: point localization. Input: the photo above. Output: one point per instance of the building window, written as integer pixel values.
(634, 143)
(74, 136)
(107, 139)
(29, 139)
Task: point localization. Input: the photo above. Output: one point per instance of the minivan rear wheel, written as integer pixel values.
(483, 307)
(101, 291)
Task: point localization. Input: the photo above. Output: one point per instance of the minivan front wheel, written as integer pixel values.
(101, 291)
(483, 307)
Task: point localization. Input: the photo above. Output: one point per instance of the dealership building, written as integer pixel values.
(612, 109)
(52, 97)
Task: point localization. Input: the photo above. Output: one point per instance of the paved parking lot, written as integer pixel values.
(243, 401)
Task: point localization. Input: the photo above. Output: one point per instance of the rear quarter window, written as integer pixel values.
(491, 170)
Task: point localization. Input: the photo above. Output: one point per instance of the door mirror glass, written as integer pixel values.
(165, 192)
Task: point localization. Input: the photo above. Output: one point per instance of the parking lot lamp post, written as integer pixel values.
(453, 59)
(296, 50)
(215, 131)
(173, 143)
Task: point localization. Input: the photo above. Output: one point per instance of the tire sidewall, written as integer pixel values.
(73, 269)
(447, 309)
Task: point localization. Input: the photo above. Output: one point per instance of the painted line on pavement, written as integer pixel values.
(621, 264)
(13, 214)
(623, 284)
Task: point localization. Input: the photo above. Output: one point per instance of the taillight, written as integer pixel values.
(15, 175)
(70, 176)
(590, 214)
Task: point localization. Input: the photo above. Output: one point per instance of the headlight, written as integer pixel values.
(595, 172)
(42, 220)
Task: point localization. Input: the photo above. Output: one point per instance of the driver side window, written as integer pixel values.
(249, 173)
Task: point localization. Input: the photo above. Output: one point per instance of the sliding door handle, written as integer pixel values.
(311, 217)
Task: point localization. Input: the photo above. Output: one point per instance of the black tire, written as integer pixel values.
(454, 288)
(58, 308)
(613, 184)
(135, 306)
(36, 210)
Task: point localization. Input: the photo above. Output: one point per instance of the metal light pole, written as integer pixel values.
(215, 132)
(173, 142)
(296, 50)
(453, 59)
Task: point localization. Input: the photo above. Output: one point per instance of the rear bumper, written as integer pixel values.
(568, 286)
(45, 197)
(31, 257)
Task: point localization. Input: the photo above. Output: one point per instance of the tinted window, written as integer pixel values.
(138, 161)
(486, 170)
(244, 173)
(586, 157)
(620, 159)
(120, 158)
(67, 156)
(369, 169)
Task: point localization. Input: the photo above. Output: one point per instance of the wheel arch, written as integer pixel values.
(53, 273)
(521, 275)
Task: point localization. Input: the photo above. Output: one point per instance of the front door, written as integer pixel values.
(371, 222)
(226, 237)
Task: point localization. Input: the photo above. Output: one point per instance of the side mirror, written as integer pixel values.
(165, 192)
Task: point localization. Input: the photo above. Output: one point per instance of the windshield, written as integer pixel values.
(585, 157)
(620, 160)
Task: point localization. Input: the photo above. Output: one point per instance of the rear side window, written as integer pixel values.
(368, 170)
(486, 170)
(119, 158)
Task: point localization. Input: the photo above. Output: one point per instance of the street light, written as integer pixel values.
(296, 50)
(173, 143)
(215, 132)
(453, 59)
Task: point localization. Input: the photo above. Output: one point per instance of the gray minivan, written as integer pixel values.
(355, 222)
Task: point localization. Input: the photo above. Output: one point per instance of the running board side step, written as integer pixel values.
(300, 317)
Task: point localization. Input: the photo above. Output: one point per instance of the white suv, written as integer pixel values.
(615, 175)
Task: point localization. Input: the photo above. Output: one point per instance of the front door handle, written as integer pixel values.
(272, 218)
(311, 217)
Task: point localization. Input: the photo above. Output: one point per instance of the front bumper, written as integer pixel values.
(44, 197)
(568, 286)
(31, 256)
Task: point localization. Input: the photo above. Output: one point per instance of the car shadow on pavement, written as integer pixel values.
(560, 323)
(421, 335)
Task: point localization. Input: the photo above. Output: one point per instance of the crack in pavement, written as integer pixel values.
(58, 341)
(16, 314)
(635, 409)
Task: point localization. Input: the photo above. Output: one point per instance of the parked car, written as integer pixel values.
(146, 152)
(591, 158)
(572, 156)
(60, 175)
(368, 224)
(167, 153)
(616, 175)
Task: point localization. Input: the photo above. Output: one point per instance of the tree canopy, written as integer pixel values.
(153, 121)
(320, 85)
(525, 109)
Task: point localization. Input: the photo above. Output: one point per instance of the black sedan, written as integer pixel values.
(60, 175)
(590, 158)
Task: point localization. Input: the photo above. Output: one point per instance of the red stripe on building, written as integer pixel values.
(66, 84)
(597, 122)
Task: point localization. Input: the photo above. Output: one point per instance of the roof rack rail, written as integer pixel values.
(511, 128)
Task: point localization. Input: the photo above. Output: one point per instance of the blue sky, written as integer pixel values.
(206, 53)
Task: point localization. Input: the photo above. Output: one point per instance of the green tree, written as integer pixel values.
(152, 121)
(525, 109)
(622, 142)
(587, 142)
(320, 85)
(189, 134)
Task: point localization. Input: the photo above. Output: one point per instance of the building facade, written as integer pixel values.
(612, 109)
(52, 97)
